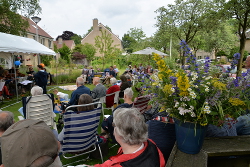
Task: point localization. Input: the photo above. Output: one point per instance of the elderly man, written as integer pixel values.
(81, 89)
(6, 120)
(30, 143)
(99, 90)
(131, 133)
(128, 103)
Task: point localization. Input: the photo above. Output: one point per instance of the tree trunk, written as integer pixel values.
(242, 48)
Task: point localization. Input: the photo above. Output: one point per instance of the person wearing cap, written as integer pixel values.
(41, 78)
(30, 143)
(6, 120)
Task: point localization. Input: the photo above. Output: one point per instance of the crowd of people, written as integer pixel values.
(126, 126)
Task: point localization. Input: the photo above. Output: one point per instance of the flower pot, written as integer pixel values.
(189, 136)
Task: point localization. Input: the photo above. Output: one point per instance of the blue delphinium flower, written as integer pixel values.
(207, 64)
(235, 60)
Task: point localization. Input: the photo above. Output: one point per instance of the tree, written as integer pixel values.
(65, 53)
(66, 35)
(76, 38)
(186, 18)
(89, 50)
(137, 34)
(11, 21)
(240, 11)
(104, 44)
(236, 50)
(46, 59)
(127, 43)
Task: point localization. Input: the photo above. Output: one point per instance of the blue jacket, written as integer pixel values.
(79, 91)
(41, 78)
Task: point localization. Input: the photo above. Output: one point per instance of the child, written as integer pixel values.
(61, 96)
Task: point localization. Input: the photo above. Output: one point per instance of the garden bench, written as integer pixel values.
(222, 151)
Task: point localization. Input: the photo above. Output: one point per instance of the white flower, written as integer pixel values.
(176, 104)
(172, 89)
(189, 89)
(207, 89)
(193, 95)
(193, 114)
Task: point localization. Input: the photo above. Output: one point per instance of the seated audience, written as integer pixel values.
(81, 89)
(30, 74)
(124, 85)
(91, 74)
(85, 72)
(112, 89)
(99, 90)
(131, 133)
(61, 96)
(128, 103)
(83, 99)
(6, 120)
(30, 143)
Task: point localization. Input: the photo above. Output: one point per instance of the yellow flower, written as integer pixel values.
(168, 89)
(236, 102)
(219, 85)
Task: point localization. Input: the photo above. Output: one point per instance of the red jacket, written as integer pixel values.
(110, 99)
(146, 154)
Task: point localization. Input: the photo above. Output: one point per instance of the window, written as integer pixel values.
(4, 63)
(34, 37)
(49, 41)
(42, 41)
(100, 28)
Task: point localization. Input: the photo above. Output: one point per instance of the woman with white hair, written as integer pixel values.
(131, 133)
(128, 103)
(112, 89)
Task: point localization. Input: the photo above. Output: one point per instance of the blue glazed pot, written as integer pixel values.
(189, 136)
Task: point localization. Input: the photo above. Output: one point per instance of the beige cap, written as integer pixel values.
(27, 140)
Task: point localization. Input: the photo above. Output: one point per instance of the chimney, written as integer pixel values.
(95, 24)
(60, 40)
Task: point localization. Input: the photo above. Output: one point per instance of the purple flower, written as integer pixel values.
(173, 80)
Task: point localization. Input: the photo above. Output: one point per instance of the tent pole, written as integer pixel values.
(15, 77)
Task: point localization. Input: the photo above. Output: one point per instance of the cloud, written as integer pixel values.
(76, 16)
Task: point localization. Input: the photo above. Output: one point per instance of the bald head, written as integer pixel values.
(96, 80)
(79, 81)
(6, 120)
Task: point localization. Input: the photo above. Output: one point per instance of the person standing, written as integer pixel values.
(85, 73)
(41, 78)
(90, 74)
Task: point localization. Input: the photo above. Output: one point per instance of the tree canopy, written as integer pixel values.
(12, 12)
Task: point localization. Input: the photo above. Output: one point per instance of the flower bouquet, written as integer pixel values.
(193, 95)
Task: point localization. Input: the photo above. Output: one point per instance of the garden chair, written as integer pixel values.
(80, 136)
(116, 101)
(141, 103)
(40, 107)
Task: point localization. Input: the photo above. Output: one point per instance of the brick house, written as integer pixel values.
(97, 28)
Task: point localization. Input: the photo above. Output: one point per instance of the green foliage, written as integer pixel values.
(137, 34)
(236, 50)
(221, 53)
(104, 44)
(46, 59)
(13, 23)
(89, 50)
(77, 38)
(65, 53)
(127, 42)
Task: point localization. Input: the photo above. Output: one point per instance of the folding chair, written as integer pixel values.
(141, 103)
(40, 107)
(80, 136)
(116, 100)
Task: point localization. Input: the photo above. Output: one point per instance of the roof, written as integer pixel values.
(32, 29)
(16, 44)
(101, 25)
(68, 43)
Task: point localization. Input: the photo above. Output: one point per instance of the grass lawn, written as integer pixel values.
(13, 105)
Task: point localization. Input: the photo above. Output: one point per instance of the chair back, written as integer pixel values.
(141, 103)
(80, 128)
(39, 107)
(116, 98)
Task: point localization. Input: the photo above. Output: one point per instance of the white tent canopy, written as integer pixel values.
(16, 45)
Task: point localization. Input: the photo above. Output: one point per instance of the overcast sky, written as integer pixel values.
(120, 15)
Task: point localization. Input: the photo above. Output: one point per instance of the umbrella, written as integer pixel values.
(149, 51)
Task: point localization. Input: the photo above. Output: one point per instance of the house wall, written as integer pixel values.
(33, 59)
(90, 38)
(200, 54)
(247, 46)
